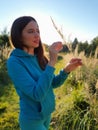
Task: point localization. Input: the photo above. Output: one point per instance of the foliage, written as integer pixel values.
(4, 78)
(75, 111)
(77, 103)
(9, 108)
(4, 38)
(76, 99)
(9, 122)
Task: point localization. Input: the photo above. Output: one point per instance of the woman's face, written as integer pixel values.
(31, 35)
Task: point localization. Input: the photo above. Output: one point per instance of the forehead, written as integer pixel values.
(31, 24)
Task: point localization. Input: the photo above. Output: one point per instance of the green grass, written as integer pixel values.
(76, 106)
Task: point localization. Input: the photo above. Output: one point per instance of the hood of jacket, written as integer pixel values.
(20, 53)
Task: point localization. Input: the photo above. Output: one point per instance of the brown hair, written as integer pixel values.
(16, 31)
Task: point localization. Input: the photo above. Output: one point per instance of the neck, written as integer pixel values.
(29, 50)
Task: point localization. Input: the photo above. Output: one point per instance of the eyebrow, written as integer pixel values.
(30, 29)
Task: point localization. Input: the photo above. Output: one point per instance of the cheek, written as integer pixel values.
(26, 38)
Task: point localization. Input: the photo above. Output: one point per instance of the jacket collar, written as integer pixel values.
(20, 53)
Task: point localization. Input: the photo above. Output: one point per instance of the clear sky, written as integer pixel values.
(77, 18)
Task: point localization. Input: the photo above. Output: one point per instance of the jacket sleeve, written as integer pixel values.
(22, 80)
(59, 79)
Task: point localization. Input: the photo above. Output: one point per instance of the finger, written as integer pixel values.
(57, 46)
(75, 60)
(77, 63)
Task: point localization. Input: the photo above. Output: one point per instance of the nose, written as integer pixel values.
(36, 34)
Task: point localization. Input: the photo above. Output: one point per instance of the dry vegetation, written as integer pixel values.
(76, 99)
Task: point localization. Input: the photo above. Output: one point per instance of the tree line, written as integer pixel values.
(89, 49)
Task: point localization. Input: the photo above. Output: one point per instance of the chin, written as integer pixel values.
(36, 46)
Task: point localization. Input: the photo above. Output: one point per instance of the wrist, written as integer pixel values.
(66, 70)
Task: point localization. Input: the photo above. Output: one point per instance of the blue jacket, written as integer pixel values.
(33, 85)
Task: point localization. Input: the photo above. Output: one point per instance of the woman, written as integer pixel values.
(33, 74)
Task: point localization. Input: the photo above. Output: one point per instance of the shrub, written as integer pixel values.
(9, 122)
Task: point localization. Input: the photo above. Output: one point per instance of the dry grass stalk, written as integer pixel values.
(96, 53)
(61, 34)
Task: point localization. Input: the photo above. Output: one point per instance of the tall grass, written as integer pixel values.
(76, 99)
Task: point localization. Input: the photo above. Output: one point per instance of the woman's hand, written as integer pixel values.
(73, 64)
(53, 51)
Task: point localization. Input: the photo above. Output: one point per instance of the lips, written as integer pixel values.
(36, 41)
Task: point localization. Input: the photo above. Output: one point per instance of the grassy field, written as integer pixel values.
(76, 99)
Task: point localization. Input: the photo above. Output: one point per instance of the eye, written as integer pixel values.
(31, 31)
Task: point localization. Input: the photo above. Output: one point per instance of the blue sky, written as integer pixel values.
(77, 18)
